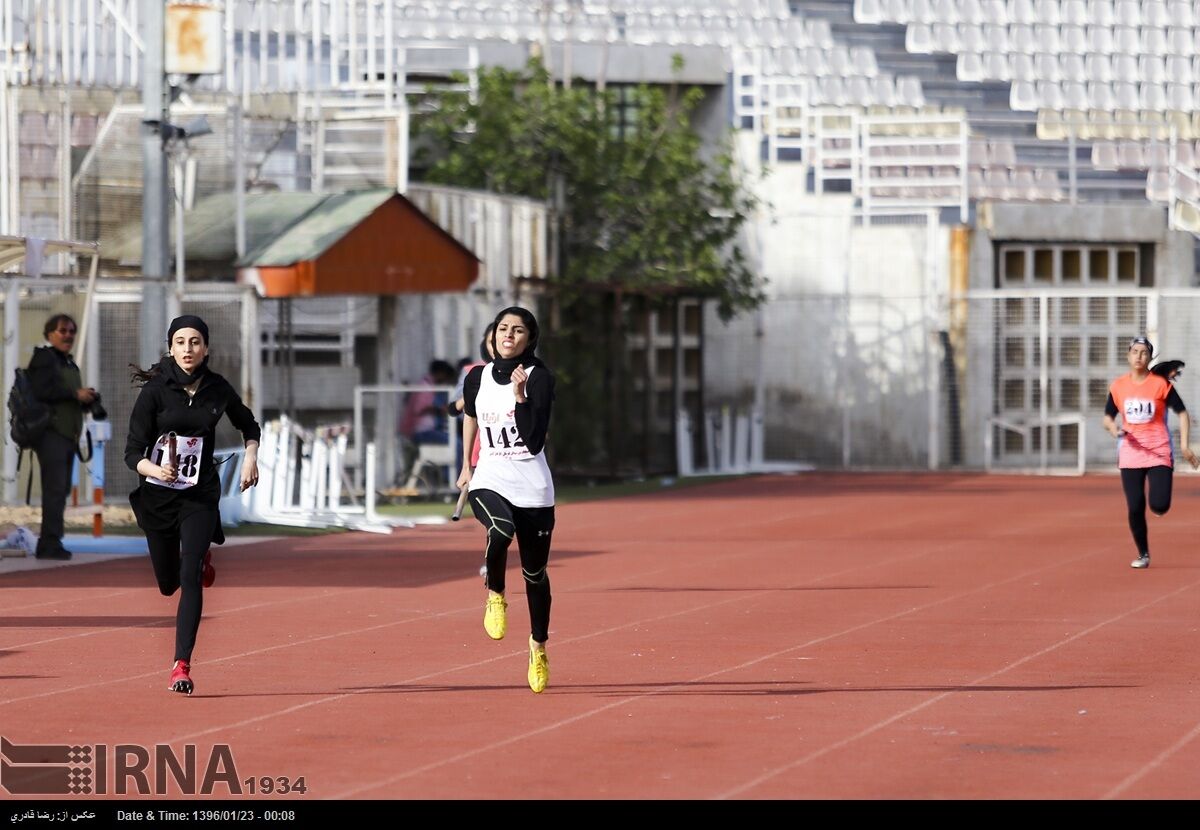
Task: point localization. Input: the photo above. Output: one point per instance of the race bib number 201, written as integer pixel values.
(186, 451)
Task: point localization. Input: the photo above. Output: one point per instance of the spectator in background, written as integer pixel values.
(424, 420)
(57, 383)
(455, 407)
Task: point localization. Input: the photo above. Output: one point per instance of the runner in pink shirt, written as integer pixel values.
(1144, 449)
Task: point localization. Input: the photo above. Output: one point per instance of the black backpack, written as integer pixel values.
(28, 417)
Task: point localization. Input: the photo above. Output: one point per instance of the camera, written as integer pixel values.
(99, 413)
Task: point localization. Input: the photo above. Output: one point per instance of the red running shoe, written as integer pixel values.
(209, 574)
(181, 681)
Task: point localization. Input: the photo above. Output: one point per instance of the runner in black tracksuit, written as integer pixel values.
(170, 445)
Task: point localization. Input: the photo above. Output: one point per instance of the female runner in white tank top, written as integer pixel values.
(507, 402)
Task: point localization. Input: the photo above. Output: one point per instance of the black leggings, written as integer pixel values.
(178, 560)
(1134, 482)
(532, 527)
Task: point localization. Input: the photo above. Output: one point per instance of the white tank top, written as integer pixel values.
(505, 463)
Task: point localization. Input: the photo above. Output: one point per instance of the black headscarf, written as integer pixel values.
(188, 321)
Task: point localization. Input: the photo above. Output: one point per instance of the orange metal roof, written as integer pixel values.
(388, 248)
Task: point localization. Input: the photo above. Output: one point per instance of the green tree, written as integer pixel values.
(644, 216)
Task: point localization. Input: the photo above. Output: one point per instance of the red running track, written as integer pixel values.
(818, 636)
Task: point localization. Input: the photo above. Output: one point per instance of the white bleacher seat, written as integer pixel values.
(863, 61)
(1050, 95)
(945, 37)
(971, 11)
(1131, 156)
(1101, 97)
(1023, 68)
(1100, 12)
(1152, 69)
(948, 11)
(883, 90)
(1045, 67)
(1179, 97)
(1021, 39)
(1127, 95)
(1187, 187)
(1075, 96)
(1047, 38)
(969, 68)
(1180, 13)
(1073, 68)
(1153, 97)
(868, 11)
(1184, 156)
(1099, 67)
(1047, 12)
(1104, 155)
(976, 185)
(1154, 13)
(33, 129)
(922, 11)
(1074, 39)
(815, 62)
(839, 61)
(977, 152)
(858, 91)
(1127, 39)
(1179, 41)
(1002, 153)
(970, 38)
(1154, 41)
(995, 66)
(997, 182)
(1021, 11)
(918, 39)
(1158, 187)
(995, 38)
(1074, 13)
(1100, 39)
(820, 33)
(1048, 185)
(1023, 97)
(995, 11)
(909, 92)
(1179, 69)
(1125, 67)
(1128, 12)
(1024, 185)
(1157, 154)
(898, 11)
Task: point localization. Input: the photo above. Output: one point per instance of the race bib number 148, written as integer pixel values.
(186, 451)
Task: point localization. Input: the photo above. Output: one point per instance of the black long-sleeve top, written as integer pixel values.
(533, 416)
(164, 406)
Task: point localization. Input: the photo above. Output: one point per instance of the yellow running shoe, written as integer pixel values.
(539, 666)
(495, 617)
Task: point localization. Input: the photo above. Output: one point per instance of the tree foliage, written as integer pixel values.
(642, 207)
(646, 213)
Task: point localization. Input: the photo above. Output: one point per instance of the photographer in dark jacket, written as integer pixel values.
(57, 383)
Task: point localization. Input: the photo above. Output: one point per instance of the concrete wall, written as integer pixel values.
(845, 341)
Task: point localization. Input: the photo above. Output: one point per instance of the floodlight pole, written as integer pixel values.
(155, 204)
